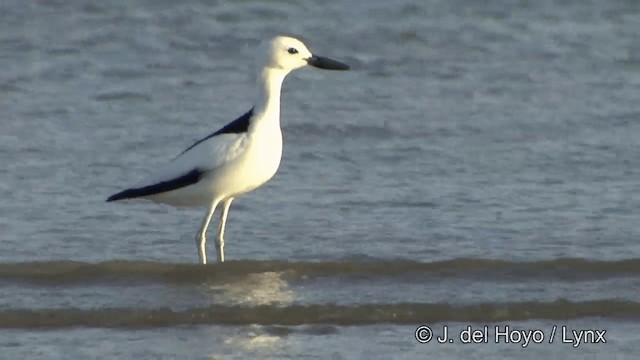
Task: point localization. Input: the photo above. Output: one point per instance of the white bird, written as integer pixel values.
(239, 157)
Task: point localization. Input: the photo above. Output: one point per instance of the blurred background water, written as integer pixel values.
(478, 165)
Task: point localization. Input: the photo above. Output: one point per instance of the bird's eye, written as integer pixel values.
(292, 51)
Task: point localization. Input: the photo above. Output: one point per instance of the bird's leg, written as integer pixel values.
(201, 238)
(223, 222)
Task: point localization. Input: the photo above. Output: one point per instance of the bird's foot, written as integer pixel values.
(220, 251)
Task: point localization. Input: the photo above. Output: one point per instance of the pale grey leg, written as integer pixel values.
(201, 238)
(223, 222)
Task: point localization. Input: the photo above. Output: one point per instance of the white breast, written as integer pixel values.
(255, 166)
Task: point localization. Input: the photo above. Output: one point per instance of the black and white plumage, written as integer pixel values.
(239, 157)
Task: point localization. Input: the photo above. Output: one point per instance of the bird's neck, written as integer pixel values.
(267, 107)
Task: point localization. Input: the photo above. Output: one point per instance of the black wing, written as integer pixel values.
(237, 126)
(187, 179)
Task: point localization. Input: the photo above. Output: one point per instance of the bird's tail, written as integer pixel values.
(187, 179)
(126, 194)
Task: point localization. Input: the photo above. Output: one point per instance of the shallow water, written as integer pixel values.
(476, 167)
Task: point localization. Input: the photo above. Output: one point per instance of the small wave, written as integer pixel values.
(70, 272)
(123, 95)
(328, 314)
(329, 130)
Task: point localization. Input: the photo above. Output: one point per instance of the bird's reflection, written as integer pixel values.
(255, 289)
(267, 288)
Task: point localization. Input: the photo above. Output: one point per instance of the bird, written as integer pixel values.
(239, 157)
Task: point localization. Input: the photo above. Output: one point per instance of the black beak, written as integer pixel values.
(326, 63)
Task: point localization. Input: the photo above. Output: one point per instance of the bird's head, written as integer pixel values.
(287, 53)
